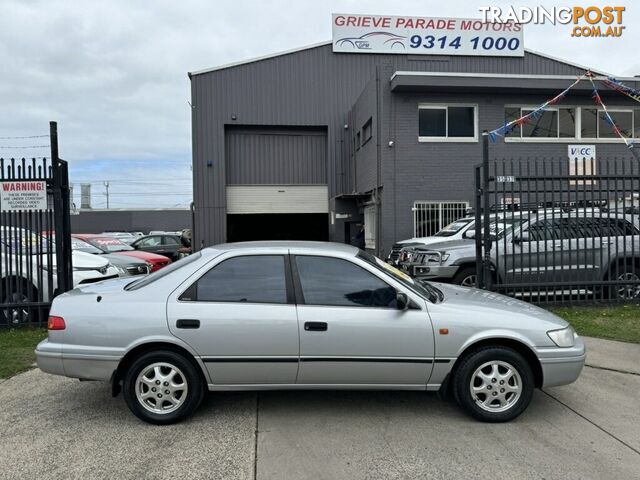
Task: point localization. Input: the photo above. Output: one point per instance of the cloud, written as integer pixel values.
(114, 74)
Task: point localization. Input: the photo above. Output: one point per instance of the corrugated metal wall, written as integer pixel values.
(312, 87)
(264, 156)
(98, 221)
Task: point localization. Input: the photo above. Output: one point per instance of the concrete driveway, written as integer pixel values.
(52, 427)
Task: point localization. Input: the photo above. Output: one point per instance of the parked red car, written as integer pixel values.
(113, 245)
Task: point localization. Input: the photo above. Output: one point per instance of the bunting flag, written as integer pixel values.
(508, 127)
(620, 87)
(629, 142)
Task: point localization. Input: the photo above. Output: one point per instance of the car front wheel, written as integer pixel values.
(162, 387)
(494, 384)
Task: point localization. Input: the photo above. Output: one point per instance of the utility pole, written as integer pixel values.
(106, 186)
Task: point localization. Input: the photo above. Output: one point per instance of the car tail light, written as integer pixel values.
(56, 323)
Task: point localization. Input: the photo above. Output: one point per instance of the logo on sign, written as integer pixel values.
(380, 39)
(581, 151)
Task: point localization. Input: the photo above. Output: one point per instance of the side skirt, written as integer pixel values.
(226, 388)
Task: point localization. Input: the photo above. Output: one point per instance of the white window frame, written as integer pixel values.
(578, 125)
(445, 107)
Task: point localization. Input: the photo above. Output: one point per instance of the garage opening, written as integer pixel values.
(277, 226)
(276, 183)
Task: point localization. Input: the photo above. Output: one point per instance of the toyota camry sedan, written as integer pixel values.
(303, 315)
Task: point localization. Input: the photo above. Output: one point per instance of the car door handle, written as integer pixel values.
(188, 323)
(315, 326)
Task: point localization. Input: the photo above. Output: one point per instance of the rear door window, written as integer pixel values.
(245, 279)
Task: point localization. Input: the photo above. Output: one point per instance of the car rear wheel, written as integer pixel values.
(494, 384)
(162, 387)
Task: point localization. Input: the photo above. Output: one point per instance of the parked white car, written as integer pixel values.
(28, 272)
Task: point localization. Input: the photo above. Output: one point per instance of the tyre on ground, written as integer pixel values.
(162, 387)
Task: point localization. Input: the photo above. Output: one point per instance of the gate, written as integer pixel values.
(35, 236)
(560, 230)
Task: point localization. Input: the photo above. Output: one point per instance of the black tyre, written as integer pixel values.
(466, 277)
(162, 387)
(20, 293)
(493, 384)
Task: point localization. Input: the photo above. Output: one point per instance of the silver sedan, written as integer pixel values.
(303, 315)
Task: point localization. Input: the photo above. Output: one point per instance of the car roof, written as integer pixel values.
(329, 247)
(92, 236)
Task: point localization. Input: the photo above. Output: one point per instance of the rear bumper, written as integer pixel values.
(51, 359)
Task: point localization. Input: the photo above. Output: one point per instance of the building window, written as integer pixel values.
(595, 125)
(358, 141)
(453, 123)
(431, 217)
(573, 123)
(552, 123)
(367, 131)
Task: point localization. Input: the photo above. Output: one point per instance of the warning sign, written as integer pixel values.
(24, 195)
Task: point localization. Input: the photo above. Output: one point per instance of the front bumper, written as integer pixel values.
(561, 366)
(435, 272)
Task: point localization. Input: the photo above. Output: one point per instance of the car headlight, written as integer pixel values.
(564, 337)
(122, 272)
(435, 257)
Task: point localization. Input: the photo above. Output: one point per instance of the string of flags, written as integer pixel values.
(508, 127)
(610, 82)
(607, 117)
(619, 87)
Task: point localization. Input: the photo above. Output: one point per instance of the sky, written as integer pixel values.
(113, 74)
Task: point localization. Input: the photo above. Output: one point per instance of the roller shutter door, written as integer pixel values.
(245, 199)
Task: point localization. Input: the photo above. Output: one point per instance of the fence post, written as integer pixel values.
(61, 219)
(486, 272)
(478, 221)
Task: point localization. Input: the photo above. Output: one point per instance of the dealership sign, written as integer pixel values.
(425, 36)
(582, 162)
(25, 196)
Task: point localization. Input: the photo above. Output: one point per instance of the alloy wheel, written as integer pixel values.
(469, 281)
(17, 315)
(161, 388)
(631, 291)
(495, 386)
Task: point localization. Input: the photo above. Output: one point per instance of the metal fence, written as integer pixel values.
(35, 243)
(560, 230)
(430, 217)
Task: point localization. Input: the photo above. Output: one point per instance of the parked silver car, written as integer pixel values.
(303, 315)
(550, 246)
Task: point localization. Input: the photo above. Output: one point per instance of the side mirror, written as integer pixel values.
(470, 234)
(520, 237)
(402, 301)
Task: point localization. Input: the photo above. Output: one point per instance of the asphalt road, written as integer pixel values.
(52, 427)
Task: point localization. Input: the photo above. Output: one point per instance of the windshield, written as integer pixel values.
(453, 227)
(82, 246)
(23, 241)
(110, 245)
(157, 275)
(499, 227)
(423, 289)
